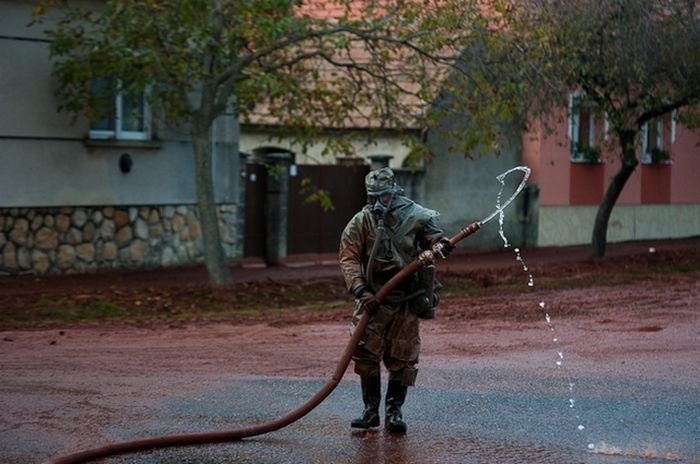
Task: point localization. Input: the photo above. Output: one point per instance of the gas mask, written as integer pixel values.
(381, 188)
(381, 203)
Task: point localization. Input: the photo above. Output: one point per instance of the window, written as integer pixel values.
(582, 129)
(127, 116)
(655, 139)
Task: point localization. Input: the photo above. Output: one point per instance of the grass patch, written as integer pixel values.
(686, 267)
(62, 311)
(254, 301)
(100, 310)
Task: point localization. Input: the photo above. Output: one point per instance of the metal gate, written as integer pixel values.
(312, 230)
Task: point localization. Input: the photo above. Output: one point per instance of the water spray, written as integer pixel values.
(531, 284)
(427, 257)
(502, 179)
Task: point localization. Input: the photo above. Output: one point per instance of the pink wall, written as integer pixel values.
(565, 183)
(532, 153)
(632, 193)
(586, 183)
(549, 155)
(656, 180)
(685, 170)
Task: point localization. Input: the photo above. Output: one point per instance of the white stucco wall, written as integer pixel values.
(46, 161)
(38, 173)
(386, 144)
(573, 225)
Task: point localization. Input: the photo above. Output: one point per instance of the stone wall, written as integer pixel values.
(82, 239)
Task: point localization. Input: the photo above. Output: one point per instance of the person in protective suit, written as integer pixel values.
(387, 234)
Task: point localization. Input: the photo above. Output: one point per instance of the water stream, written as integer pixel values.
(559, 358)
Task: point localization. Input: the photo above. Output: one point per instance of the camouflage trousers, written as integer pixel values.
(391, 337)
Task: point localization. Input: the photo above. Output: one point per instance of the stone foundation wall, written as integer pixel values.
(82, 239)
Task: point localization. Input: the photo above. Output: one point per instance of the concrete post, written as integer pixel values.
(277, 205)
(379, 161)
(226, 166)
(350, 161)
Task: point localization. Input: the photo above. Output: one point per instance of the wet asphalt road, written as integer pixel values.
(458, 414)
(462, 411)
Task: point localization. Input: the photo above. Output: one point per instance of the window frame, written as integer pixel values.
(575, 155)
(646, 152)
(119, 133)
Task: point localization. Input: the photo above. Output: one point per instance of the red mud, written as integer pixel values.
(646, 325)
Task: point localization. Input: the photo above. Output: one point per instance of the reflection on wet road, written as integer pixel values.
(463, 415)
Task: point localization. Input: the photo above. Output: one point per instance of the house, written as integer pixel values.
(572, 169)
(117, 193)
(120, 192)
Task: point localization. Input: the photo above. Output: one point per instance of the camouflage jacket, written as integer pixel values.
(409, 227)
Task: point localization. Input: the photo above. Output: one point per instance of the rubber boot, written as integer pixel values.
(395, 397)
(371, 396)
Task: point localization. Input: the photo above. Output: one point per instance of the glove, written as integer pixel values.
(447, 247)
(370, 302)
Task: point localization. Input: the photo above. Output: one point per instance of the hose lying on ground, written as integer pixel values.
(425, 258)
(237, 434)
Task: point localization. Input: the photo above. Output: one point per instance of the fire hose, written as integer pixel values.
(427, 257)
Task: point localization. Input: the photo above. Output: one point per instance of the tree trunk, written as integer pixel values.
(602, 218)
(214, 258)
